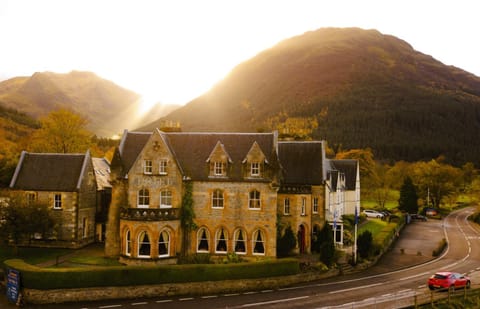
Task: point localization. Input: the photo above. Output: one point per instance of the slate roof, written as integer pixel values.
(349, 168)
(301, 162)
(49, 171)
(131, 145)
(192, 150)
(102, 173)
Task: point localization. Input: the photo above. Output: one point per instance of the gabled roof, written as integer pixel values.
(50, 171)
(302, 162)
(349, 168)
(192, 150)
(131, 145)
(102, 173)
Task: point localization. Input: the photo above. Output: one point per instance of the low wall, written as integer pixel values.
(32, 296)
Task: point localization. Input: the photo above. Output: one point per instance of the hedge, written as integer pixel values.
(62, 278)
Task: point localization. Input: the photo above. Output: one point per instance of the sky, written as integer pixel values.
(171, 51)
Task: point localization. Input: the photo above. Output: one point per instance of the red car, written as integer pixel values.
(448, 280)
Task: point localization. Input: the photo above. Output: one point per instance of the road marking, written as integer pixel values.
(275, 301)
(110, 306)
(209, 296)
(164, 301)
(187, 298)
(414, 276)
(355, 288)
(138, 304)
(250, 293)
(267, 291)
(233, 294)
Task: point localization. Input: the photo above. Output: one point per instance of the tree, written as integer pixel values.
(408, 200)
(22, 220)
(365, 244)
(186, 217)
(327, 245)
(367, 165)
(286, 242)
(436, 180)
(61, 131)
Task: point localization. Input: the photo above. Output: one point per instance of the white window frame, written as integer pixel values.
(304, 206)
(57, 201)
(140, 243)
(315, 205)
(162, 167)
(143, 198)
(286, 206)
(236, 235)
(218, 168)
(217, 199)
(254, 202)
(165, 199)
(200, 233)
(147, 167)
(255, 169)
(31, 197)
(128, 243)
(255, 240)
(218, 238)
(165, 242)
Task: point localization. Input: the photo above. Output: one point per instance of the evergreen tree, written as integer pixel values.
(327, 245)
(286, 243)
(408, 197)
(365, 244)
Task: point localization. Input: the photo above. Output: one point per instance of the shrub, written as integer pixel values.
(365, 244)
(64, 278)
(286, 243)
(441, 246)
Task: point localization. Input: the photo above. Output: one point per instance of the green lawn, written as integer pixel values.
(372, 225)
(31, 255)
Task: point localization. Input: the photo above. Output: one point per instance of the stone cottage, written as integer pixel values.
(65, 182)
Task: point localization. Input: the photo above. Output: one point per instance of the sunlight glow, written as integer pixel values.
(173, 51)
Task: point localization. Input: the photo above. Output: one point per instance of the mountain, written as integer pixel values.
(108, 107)
(363, 88)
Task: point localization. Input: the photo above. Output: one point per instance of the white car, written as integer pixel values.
(373, 213)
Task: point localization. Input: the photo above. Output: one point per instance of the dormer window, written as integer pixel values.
(218, 161)
(255, 169)
(162, 169)
(147, 167)
(218, 168)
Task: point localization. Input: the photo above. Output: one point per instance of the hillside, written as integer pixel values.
(108, 107)
(364, 89)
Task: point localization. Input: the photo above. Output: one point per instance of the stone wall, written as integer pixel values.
(32, 296)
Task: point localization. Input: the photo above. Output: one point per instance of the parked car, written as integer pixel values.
(448, 280)
(373, 213)
(418, 217)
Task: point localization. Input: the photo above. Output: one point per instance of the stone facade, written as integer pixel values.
(70, 194)
(245, 188)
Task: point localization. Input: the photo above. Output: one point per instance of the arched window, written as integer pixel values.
(221, 240)
(258, 243)
(143, 198)
(254, 200)
(128, 243)
(164, 244)
(217, 199)
(240, 242)
(202, 240)
(166, 199)
(143, 245)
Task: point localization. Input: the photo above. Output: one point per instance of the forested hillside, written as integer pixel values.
(354, 88)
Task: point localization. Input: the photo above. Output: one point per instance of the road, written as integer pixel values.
(377, 287)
